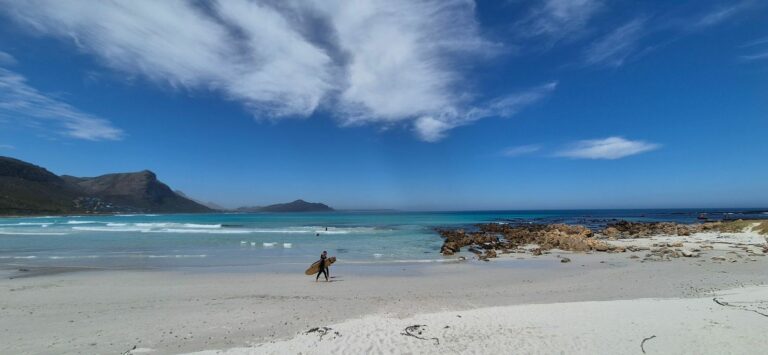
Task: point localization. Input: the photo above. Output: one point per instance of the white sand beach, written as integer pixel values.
(736, 325)
(596, 303)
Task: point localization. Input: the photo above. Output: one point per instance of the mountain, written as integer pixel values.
(209, 204)
(29, 189)
(295, 206)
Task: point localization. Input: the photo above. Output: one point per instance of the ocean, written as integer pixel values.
(243, 241)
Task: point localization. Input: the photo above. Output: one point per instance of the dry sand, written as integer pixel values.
(736, 325)
(597, 303)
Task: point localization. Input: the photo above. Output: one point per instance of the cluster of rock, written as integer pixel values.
(493, 237)
(489, 240)
(626, 229)
(669, 251)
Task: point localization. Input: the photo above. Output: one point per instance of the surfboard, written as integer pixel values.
(315, 267)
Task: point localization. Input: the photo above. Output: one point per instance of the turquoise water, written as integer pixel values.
(251, 240)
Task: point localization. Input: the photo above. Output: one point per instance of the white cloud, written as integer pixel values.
(614, 48)
(757, 42)
(368, 61)
(23, 104)
(607, 148)
(756, 56)
(521, 150)
(758, 47)
(6, 59)
(7, 146)
(720, 14)
(559, 19)
(644, 34)
(432, 128)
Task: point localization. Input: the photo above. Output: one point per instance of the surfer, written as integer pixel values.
(323, 266)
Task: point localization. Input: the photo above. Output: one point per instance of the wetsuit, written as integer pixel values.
(323, 268)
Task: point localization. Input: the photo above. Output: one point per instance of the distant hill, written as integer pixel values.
(29, 189)
(295, 206)
(209, 204)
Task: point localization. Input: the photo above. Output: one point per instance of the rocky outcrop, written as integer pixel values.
(626, 229)
(629, 230)
(504, 237)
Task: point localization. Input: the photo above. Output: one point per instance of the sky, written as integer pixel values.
(401, 104)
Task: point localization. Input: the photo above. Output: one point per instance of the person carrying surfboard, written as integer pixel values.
(323, 266)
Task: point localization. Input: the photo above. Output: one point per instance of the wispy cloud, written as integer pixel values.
(6, 59)
(614, 48)
(557, 20)
(720, 14)
(23, 104)
(521, 150)
(756, 56)
(433, 128)
(607, 148)
(644, 33)
(759, 48)
(7, 146)
(757, 42)
(372, 61)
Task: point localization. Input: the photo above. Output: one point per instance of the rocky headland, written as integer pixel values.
(27, 189)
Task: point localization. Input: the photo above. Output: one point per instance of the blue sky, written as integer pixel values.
(444, 105)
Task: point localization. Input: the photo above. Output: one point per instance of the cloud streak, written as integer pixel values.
(521, 150)
(366, 62)
(6, 59)
(645, 33)
(24, 104)
(433, 128)
(613, 49)
(607, 148)
(759, 48)
(557, 20)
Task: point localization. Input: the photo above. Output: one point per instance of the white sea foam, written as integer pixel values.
(117, 224)
(56, 257)
(83, 222)
(177, 225)
(24, 224)
(193, 225)
(199, 231)
(288, 245)
(377, 255)
(317, 230)
(31, 233)
(154, 225)
(177, 256)
(287, 231)
(268, 245)
(111, 229)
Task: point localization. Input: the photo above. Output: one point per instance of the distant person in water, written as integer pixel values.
(323, 266)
